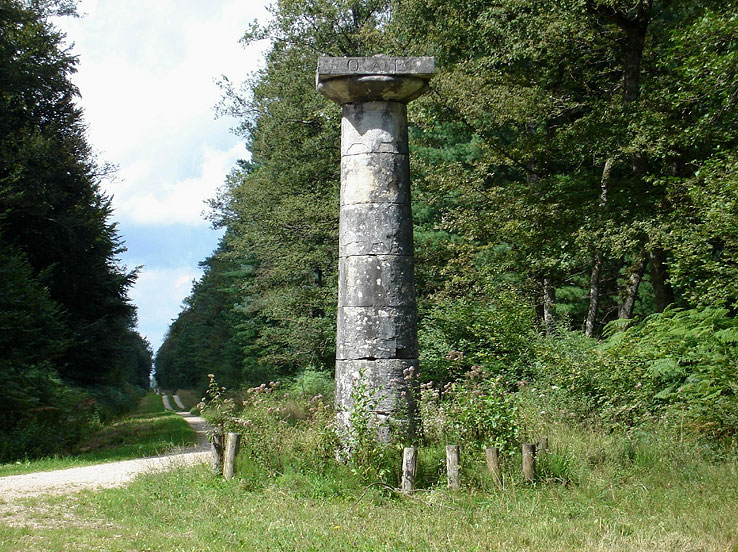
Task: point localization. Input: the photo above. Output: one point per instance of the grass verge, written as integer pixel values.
(598, 492)
(149, 431)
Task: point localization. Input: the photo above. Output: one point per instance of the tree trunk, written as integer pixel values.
(549, 305)
(594, 295)
(625, 309)
(594, 280)
(662, 290)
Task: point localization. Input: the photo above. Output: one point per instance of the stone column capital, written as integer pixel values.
(378, 78)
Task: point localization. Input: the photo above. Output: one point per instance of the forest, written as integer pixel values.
(575, 206)
(574, 171)
(70, 356)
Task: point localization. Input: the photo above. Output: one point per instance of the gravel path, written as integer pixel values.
(113, 474)
(179, 402)
(165, 402)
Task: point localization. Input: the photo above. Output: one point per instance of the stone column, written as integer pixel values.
(376, 344)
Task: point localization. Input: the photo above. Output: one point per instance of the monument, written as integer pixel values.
(376, 346)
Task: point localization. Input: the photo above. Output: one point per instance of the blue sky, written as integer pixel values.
(146, 74)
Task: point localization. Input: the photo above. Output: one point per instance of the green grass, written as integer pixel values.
(149, 431)
(648, 490)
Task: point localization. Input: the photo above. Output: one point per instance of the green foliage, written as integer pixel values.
(310, 383)
(460, 333)
(218, 408)
(679, 364)
(65, 317)
(689, 356)
(42, 416)
(284, 436)
(477, 411)
(203, 338)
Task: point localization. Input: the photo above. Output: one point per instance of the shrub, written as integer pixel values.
(42, 416)
(310, 382)
(690, 359)
(477, 411)
(462, 333)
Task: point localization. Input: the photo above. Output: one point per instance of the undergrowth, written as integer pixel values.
(149, 431)
(619, 491)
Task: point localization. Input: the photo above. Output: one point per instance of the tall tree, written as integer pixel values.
(51, 205)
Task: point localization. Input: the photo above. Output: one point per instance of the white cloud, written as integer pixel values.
(159, 293)
(147, 76)
(182, 201)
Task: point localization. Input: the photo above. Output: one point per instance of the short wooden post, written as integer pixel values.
(529, 462)
(452, 467)
(409, 468)
(542, 445)
(493, 464)
(216, 448)
(230, 454)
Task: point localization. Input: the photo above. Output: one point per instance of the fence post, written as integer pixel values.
(409, 468)
(542, 445)
(216, 448)
(529, 462)
(452, 467)
(493, 464)
(230, 454)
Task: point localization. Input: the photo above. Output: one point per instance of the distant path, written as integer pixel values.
(113, 474)
(165, 401)
(179, 402)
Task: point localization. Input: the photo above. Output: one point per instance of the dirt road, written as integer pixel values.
(112, 474)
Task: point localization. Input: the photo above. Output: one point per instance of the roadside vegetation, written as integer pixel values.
(575, 198)
(149, 431)
(655, 487)
(69, 352)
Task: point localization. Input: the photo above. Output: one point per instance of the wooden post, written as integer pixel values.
(529, 462)
(409, 468)
(230, 454)
(216, 447)
(452, 467)
(493, 464)
(542, 445)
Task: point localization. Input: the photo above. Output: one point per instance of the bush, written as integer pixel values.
(689, 358)
(114, 401)
(460, 333)
(42, 416)
(279, 431)
(679, 364)
(310, 382)
(476, 411)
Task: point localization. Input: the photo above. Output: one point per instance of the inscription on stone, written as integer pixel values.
(378, 65)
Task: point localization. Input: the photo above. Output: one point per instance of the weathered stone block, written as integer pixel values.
(332, 67)
(376, 332)
(384, 379)
(376, 281)
(375, 178)
(374, 127)
(375, 229)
